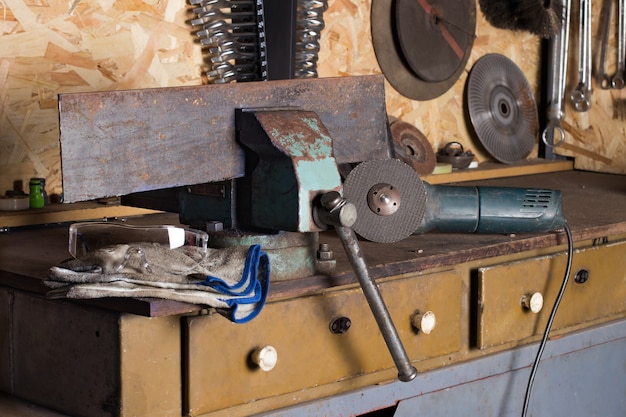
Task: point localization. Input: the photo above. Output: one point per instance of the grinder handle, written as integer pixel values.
(504, 210)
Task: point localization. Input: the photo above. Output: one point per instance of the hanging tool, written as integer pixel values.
(253, 40)
(540, 17)
(309, 25)
(502, 108)
(423, 46)
(604, 81)
(233, 32)
(581, 95)
(618, 79)
(553, 133)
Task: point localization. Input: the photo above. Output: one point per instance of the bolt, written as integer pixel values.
(331, 200)
(324, 253)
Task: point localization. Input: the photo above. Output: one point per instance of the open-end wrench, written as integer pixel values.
(559, 44)
(604, 81)
(618, 78)
(581, 95)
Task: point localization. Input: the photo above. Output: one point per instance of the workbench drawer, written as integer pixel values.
(219, 372)
(596, 289)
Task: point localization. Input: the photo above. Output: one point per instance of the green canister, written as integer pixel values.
(36, 195)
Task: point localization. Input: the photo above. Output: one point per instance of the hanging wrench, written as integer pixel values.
(581, 96)
(604, 81)
(559, 44)
(618, 78)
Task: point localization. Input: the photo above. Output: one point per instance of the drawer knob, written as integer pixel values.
(425, 322)
(533, 302)
(265, 357)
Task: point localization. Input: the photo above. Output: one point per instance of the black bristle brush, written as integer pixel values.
(540, 17)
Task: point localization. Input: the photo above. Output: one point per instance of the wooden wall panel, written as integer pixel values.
(51, 47)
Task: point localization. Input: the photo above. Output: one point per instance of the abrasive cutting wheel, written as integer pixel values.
(390, 199)
(502, 108)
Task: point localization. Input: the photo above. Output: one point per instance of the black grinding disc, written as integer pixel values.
(422, 46)
(409, 203)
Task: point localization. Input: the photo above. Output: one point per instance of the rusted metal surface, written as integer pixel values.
(120, 142)
(295, 165)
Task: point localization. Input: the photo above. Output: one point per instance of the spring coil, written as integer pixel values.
(228, 30)
(309, 26)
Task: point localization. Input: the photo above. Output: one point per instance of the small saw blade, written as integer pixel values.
(412, 147)
(390, 199)
(502, 108)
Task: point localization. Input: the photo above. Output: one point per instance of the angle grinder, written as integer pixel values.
(393, 203)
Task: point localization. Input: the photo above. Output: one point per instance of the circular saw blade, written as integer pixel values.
(502, 108)
(412, 147)
(408, 58)
(409, 205)
(431, 37)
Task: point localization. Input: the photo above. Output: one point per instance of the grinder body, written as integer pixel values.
(466, 209)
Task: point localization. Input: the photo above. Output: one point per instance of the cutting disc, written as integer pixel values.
(412, 147)
(390, 199)
(502, 108)
(422, 46)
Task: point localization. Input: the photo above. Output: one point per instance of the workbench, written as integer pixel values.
(148, 357)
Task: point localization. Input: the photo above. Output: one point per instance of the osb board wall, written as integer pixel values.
(49, 47)
(595, 138)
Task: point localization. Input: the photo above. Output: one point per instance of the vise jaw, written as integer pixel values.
(289, 164)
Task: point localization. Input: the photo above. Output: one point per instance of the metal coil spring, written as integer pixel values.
(229, 32)
(309, 26)
(228, 29)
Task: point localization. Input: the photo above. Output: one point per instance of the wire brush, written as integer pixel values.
(540, 17)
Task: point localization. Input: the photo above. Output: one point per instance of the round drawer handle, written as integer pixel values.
(533, 302)
(424, 322)
(265, 357)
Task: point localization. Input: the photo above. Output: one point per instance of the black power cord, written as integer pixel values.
(544, 340)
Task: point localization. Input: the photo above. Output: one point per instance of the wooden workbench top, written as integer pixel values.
(594, 205)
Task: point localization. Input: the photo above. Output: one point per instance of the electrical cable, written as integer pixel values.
(544, 340)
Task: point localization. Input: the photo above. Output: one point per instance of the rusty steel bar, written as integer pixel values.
(121, 142)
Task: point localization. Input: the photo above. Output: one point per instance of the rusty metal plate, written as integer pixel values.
(121, 142)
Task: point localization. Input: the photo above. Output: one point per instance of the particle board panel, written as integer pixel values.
(48, 48)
